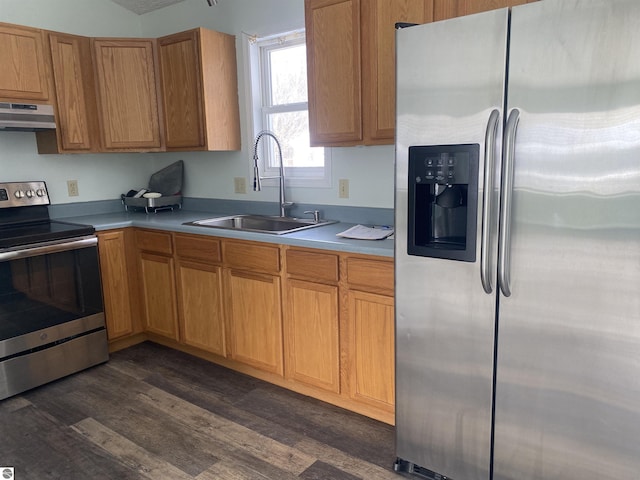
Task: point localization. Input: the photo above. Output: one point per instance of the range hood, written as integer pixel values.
(26, 117)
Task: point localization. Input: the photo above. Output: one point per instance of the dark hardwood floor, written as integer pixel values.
(155, 413)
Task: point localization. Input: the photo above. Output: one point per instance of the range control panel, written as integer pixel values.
(23, 194)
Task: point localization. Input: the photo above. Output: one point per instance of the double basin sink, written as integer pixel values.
(260, 223)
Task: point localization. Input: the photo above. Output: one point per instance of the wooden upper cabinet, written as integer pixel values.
(444, 9)
(378, 62)
(198, 76)
(333, 71)
(351, 67)
(127, 94)
(24, 73)
(77, 113)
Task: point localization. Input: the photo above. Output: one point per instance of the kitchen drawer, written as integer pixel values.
(366, 274)
(153, 241)
(198, 247)
(312, 265)
(251, 256)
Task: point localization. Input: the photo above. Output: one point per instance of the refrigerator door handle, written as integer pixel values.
(489, 172)
(504, 257)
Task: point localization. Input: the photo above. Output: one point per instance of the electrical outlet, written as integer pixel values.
(240, 185)
(72, 188)
(343, 188)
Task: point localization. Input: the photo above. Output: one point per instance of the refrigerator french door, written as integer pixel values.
(518, 338)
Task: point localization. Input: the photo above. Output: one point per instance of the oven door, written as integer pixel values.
(51, 312)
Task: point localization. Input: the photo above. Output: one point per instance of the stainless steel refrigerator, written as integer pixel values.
(518, 244)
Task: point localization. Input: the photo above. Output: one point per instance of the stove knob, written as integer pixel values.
(40, 192)
(19, 194)
(30, 193)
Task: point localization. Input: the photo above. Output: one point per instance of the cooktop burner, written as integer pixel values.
(24, 217)
(41, 232)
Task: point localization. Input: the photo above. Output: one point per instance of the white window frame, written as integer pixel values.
(256, 52)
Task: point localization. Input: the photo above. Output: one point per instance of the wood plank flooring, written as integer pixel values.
(155, 413)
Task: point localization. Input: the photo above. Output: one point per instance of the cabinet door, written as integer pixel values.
(371, 349)
(180, 78)
(74, 88)
(126, 86)
(333, 70)
(24, 72)
(158, 294)
(255, 319)
(378, 62)
(199, 79)
(200, 306)
(220, 73)
(444, 9)
(312, 340)
(115, 283)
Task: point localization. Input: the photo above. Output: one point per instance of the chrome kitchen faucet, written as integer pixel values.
(257, 187)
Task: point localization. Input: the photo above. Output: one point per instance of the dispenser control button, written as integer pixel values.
(4, 196)
(451, 161)
(429, 162)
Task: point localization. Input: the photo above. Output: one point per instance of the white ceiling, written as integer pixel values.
(145, 6)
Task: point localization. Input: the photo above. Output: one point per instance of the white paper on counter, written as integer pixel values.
(361, 232)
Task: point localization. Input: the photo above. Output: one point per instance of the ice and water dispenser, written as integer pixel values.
(443, 201)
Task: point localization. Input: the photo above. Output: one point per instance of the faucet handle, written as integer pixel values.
(316, 215)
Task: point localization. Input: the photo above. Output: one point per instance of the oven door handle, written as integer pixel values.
(46, 248)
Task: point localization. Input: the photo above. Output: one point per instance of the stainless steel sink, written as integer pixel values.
(260, 223)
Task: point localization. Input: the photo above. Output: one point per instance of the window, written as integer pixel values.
(278, 70)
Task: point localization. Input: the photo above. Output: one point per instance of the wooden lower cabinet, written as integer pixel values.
(312, 336)
(157, 282)
(369, 329)
(117, 269)
(255, 319)
(311, 318)
(200, 306)
(371, 349)
(158, 294)
(315, 321)
(253, 304)
(199, 293)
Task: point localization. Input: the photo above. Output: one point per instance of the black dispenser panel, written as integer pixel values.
(443, 201)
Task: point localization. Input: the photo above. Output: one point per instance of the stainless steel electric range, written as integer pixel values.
(52, 320)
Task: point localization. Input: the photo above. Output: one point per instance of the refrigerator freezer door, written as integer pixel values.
(568, 369)
(445, 321)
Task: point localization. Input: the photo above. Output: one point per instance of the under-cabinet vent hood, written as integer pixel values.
(26, 117)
